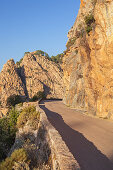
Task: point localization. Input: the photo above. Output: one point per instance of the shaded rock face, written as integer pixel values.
(35, 73)
(39, 73)
(88, 63)
(10, 82)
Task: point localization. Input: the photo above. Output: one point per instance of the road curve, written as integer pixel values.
(89, 139)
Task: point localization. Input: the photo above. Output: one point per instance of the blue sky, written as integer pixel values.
(29, 25)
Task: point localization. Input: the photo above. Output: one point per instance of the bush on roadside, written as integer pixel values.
(13, 100)
(7, 132)
(37, 96)
(17, 156)
(13, 115)
(28, 113)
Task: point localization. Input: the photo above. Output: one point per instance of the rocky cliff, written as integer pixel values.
(34, 73)
(10, 82)
(88, 62)
(39, 73)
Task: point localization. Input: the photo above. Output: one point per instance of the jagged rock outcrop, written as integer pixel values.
(10, 82)
(35, 73)
(39, 73)
(88, 62)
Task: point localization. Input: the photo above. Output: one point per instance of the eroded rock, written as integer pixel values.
(10, 82)
(35, 73)
(88, 63)
(39, 73)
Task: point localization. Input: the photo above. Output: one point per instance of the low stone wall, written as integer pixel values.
(61, 157)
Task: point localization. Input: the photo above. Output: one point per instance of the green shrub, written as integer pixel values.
(58, 58)
(76, 51)
(26, 53)
(20, 104)
(89, 20)
(13, 115)
(71, 42)
(2, 152)
(34, 119)
(88, 29)
(19, 62)
(7, 132)
(28, 113)
(19, 155)
(13, 100)
(37, 96)
(4, 137)
(9, 71)
(40, 52)
(82, 31)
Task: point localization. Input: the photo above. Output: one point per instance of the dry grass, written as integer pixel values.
(28, 114)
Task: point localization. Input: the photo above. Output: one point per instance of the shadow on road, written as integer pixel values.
(84, 151)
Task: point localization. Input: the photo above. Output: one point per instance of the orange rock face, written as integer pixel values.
(42, 74)
(35, 73)
(10, 82)
(88, 64)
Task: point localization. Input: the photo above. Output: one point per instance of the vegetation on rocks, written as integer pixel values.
(28, 113)
(26, 149)
(18, 156)
(58, 58)
(37, 96)
(89, 20)
(26, 53)
(40, 52)
(25, 154)
(7, 132)
(71, 42)
(9, 71)
(13, 100)
(94, 2)
(19, 62)
(13, 116)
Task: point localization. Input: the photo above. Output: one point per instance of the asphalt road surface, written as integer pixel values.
(89, 139)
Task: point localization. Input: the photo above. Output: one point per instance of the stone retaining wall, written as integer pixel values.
(62, 159)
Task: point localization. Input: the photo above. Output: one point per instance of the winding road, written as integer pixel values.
(89, 139)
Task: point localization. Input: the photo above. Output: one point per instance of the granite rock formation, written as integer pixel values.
(88, 62)
(10, 82)
(39, 73)
(34, 73)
